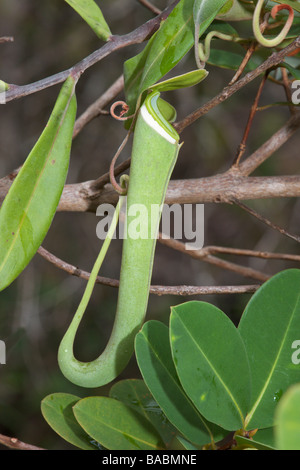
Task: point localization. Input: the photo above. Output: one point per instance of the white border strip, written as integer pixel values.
(154, 124)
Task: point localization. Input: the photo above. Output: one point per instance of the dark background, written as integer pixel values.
(37, 308)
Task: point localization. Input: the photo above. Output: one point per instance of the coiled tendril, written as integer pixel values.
(282, 35)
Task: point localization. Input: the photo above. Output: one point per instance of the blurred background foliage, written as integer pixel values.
(36, 309)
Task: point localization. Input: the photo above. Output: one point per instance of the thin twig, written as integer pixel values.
(14, 443)
(250, 253)
(249, 54)
(150, 7)
(156, 290)
(266, 221)
(287, 89)
(247, 57)
(270, 146)
(274, 60)
(242, 147)
(205, 256)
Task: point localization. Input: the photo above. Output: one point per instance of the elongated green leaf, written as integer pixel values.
(136, 395)
(29, 207)
(57, 411)
(91, 13)
(211, 362)
(181, 81)
(269, 327)
(154, 358)
(115, 425)
(164, 50)
(287, 431)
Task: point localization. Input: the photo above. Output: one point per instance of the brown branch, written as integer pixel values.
(115, 43)
(270, 146)
(242, 146)
(85, 197)
(217, 189)
(205, 256)
(250, 51)
(274, 60)
(250, 253)
(266, 221)
(14, 443)
(156, 290)
(247, 57)
(287, 89)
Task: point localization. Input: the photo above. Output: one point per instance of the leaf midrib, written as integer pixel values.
(162, 50)
(227, 390)
(117, 430)
(178, 386)
(260, 397)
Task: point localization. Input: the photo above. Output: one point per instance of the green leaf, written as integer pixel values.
(252, 443)
(30, 205)
(154, 358)
(229, 60)
(57, 411)
(136, 395)
(204, 12)
(164, 50)
(181, 81)
(287, 431)
(91, 13)
(293, 71)
(211, 362)
(269, 327)
(266, 437)
(115, 425)
(186, 444)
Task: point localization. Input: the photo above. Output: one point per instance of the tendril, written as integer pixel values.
(284, 32)
(204, 49)
(125, 109)
(122, 190)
